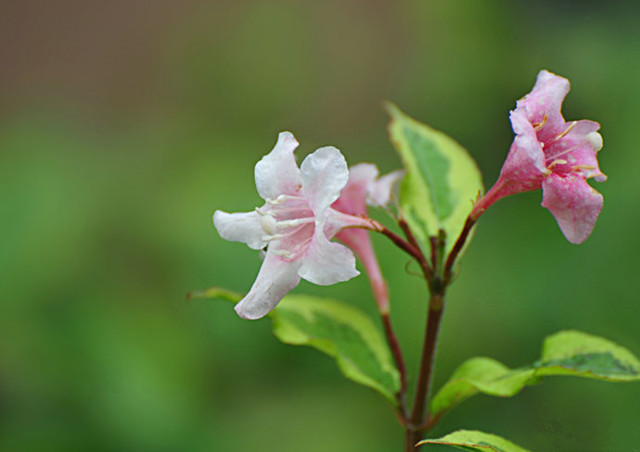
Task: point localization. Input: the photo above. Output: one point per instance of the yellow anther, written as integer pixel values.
(539, 126)
(567, 130)
(583, 167)
(557, 162)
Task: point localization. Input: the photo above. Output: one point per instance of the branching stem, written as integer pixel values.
(438, 274)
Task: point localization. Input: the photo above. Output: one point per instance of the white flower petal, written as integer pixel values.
(363, 173)
(324, 174)
(243, 227)
(276, 278)
(277, 173)
(381, 190)
(326, 262)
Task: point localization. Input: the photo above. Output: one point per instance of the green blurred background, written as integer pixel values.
(125, 124)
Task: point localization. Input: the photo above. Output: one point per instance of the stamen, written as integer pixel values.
(538, 126)
(557, 162)
(294, 223)
(583, 167)
(278, 200)
(566, 151)
(281, 198)
(283, 253)
(567, 130)
(270, 237)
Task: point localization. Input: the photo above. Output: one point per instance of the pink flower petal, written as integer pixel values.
(276, 278)
(324, 174)
(524, 168)
(277, 172)
(326, 262)
(543, 104)
(243, 227)
(353, 196)
(579, 149)
(359, 241)
(334, 221)
(573, 203)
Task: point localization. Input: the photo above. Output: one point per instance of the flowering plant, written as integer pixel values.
(435, 201)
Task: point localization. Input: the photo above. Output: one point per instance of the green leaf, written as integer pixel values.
(576, 353)
(343, 332)
(564, 353)
(335, 328)
(475, 440)
(480, 375)
(442, 180)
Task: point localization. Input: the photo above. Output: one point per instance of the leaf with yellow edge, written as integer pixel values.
(565, 353)
(442, 180)
(337, 329)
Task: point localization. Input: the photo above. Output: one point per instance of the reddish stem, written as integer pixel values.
(394, 345)
(427, 270)
(418, 419)
(457, 248)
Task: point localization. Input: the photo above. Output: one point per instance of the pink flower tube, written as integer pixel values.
(364, 187)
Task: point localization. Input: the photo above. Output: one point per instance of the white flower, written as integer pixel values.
(295, 224)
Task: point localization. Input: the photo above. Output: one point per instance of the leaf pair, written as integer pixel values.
(564, 353)
(348, 335)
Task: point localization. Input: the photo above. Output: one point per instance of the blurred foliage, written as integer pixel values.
(123, 125)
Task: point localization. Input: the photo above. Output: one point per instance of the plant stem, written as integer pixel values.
(394, 345)
(381, 294)
(409, 248)
(418, 417)
(427, 270)
(457, 248)
(420, 421)
(438, 276)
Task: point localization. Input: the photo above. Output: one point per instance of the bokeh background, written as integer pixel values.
(125, 124)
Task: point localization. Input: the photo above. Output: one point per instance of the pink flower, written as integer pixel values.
(295, 224)
(364, 187)
(554, 155)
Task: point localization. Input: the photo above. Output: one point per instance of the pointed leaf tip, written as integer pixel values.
(392, 109)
